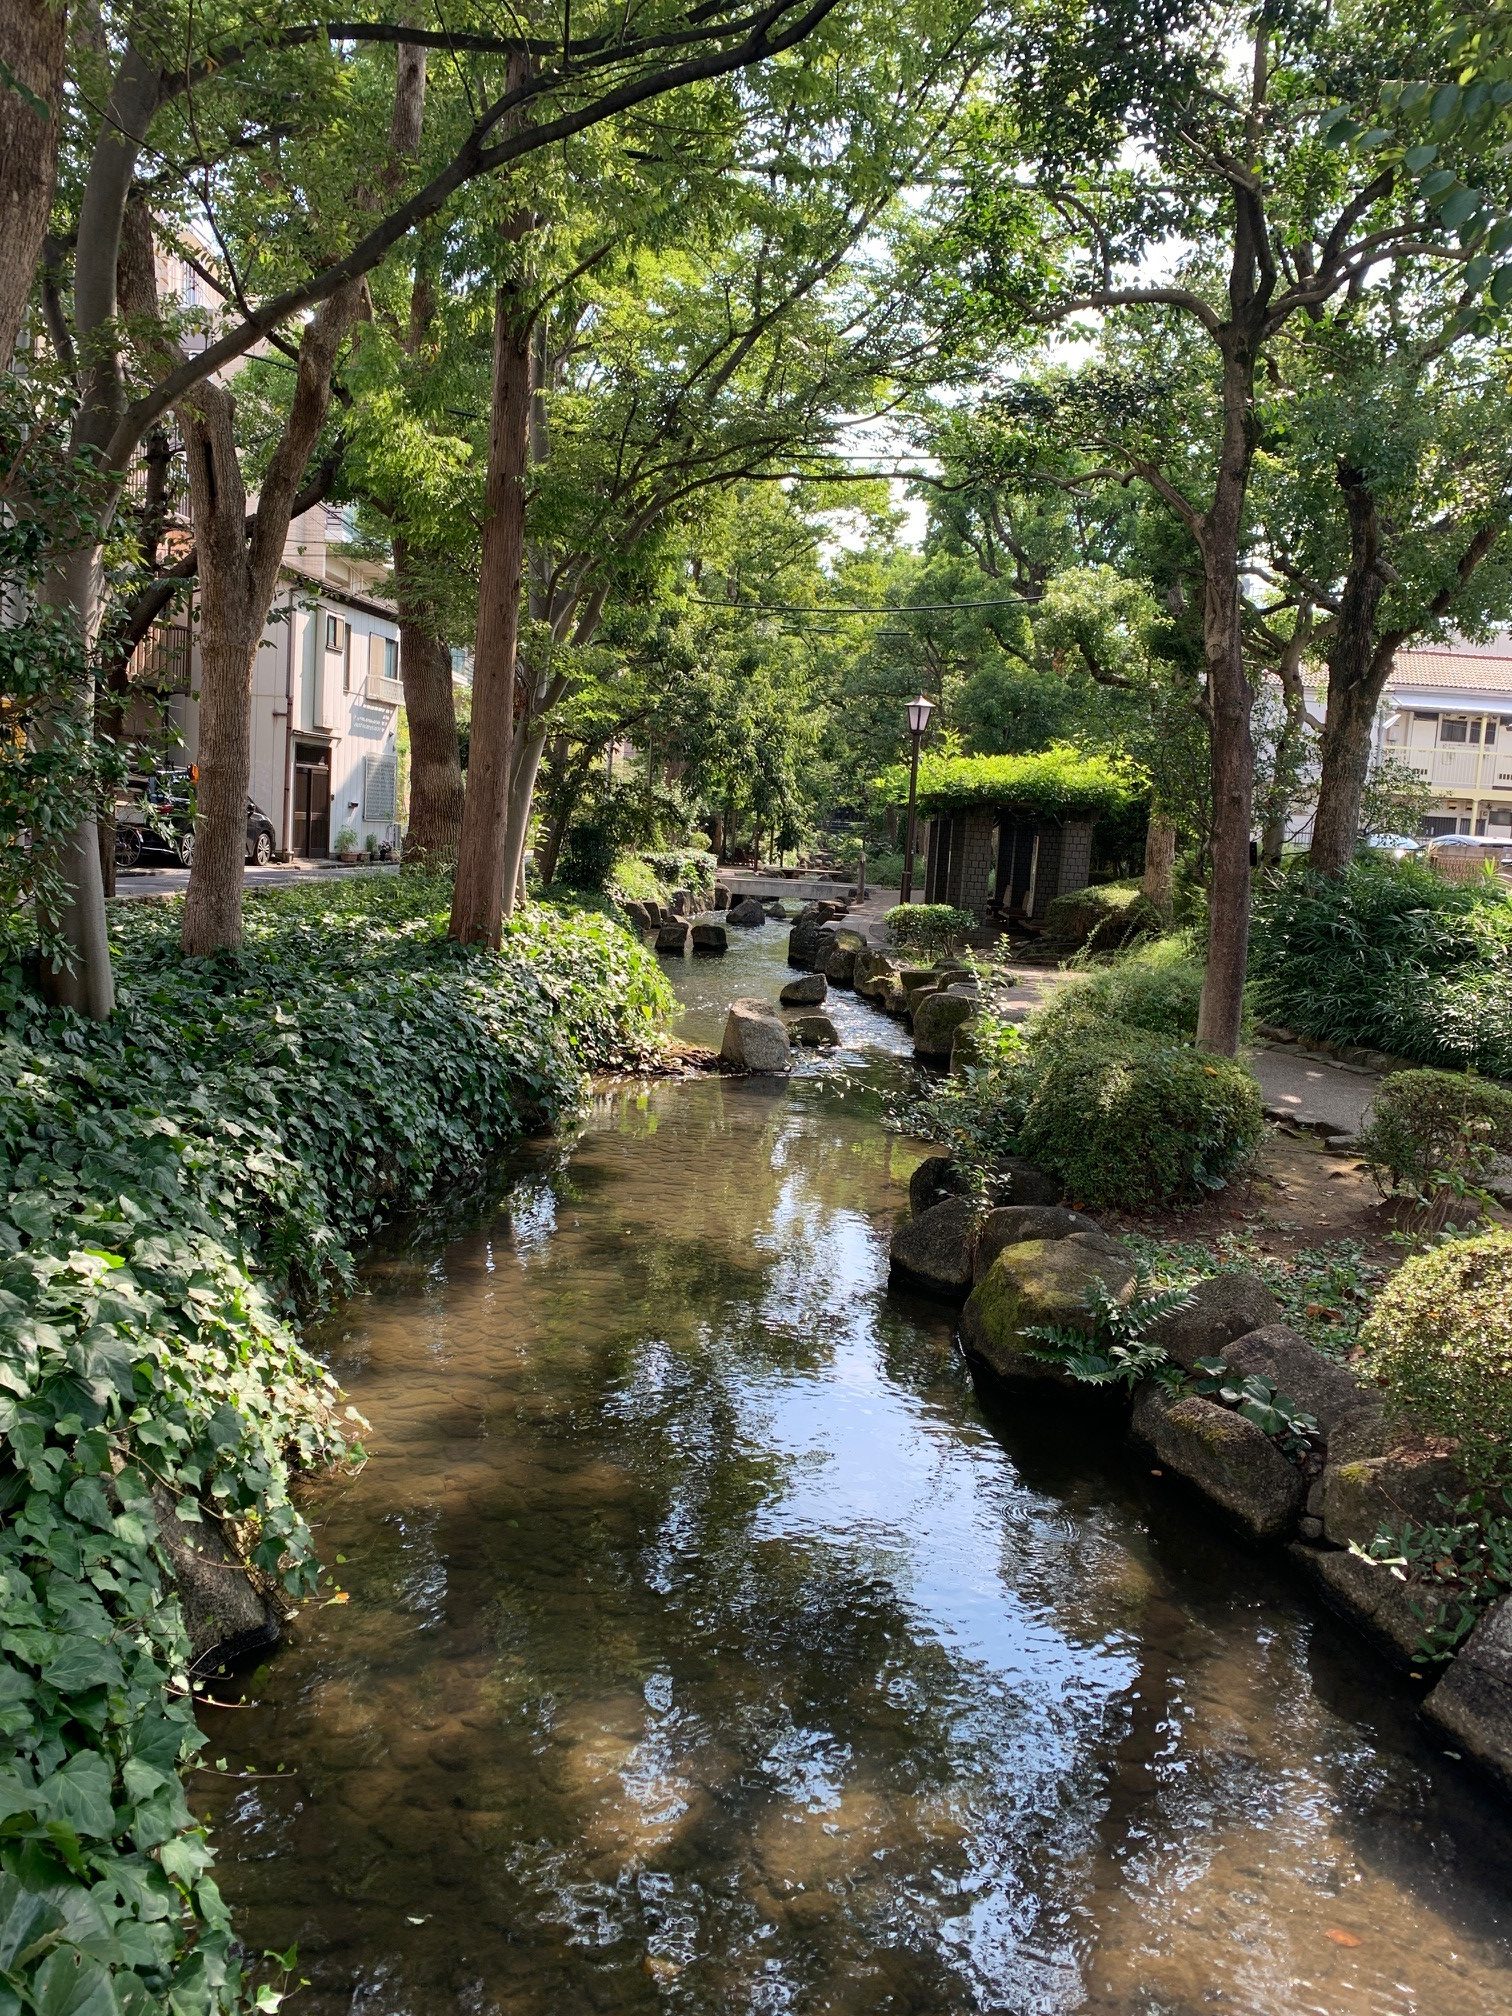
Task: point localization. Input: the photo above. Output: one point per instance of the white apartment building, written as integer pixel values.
(1448, 715)
(326, 692)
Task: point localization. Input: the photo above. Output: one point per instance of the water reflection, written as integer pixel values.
(710, 1650)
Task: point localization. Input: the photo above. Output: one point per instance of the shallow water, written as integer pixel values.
(710, 1647)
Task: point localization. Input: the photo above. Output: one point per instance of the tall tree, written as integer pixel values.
(1219, 209)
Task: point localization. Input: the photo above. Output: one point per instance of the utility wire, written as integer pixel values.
(855, 608)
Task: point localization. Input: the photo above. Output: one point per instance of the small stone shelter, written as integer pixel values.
(1006, 835)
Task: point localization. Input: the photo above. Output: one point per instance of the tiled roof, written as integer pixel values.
(1484, 668)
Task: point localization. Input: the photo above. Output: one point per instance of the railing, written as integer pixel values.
(386, 692)
(163, 659)
(1459, 770)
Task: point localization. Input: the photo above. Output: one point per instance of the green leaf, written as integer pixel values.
(80, 1664)
(1445, 103)
(1457, 206)
(1416, 159)
(79, 1795)
(70, 1983)
(1501, 286)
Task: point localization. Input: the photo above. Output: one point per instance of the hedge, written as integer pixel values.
(1055, 783)
(174, 1184)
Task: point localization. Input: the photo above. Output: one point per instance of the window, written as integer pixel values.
(1454, 728)
(379, 778)
(1490, 734)
(391, 658)
(334, 628)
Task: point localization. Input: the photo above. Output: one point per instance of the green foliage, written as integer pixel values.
(52, 769)
(1434, 1135)
(1389, 957)
(1325, 1290)
(1128, 1118)
(1156, 987)
(1117, 1352)
(1464, 1559)
(1103, 918)
(1056, 783)
(174, 1182)
(928, 927)
(1260, 1400)
(1440, 1338)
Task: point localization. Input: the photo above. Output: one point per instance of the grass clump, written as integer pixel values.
(1390, 958)
(1156, 987)
(1103, 918)
(176, 1184)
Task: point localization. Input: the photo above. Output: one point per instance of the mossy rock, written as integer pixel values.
(935, 1022)
(1038, 1282)
(1228, 1459)
(933, 1251)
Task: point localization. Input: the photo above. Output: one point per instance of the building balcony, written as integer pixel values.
(1461, 773)
(383, 692)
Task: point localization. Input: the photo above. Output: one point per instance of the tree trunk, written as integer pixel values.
(435, 812)
(1230, 702)
(1357, 674)
(521, 793)
(483, 896)
(1159, 884)
(32, 41)
(83, 980)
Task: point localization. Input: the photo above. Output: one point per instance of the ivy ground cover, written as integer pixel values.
(176, 1186)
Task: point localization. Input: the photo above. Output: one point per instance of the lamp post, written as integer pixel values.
(919, 712)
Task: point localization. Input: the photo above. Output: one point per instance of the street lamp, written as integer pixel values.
(919, 712)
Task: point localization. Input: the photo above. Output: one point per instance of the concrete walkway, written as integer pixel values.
(169, 881)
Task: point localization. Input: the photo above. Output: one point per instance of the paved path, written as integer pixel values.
(174, 881)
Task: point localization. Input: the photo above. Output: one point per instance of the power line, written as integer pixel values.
(855, 608)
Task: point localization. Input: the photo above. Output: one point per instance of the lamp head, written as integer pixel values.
(919, 712)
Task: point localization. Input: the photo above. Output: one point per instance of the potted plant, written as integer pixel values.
(370, 845)
(346, 845)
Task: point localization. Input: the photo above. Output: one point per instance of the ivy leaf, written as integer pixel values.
(79, 1796)
(69, 1983)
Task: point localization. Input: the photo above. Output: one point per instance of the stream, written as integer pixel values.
(710, 1646)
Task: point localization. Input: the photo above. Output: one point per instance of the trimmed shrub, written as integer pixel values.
(1436, 1132)
(928, 927)
(1440, 1337)
(1128, 1118)
(1156, 987)
(1389, 957)
(173, 1184)
(1103, 918)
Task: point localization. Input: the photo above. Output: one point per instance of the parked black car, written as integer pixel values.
(155, 821)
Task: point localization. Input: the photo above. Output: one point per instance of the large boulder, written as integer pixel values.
(636, 913)
(919, 994)
(936, 1177)
(840, 963)
(1012, 1224)
(224, 1615)
(873, 966)
(1321, 1386)
(1026, 1183)
(721, 897)
(965, 1046)
(1394, 1614)
(813, 1031)
(805, 993)
(826, 908)
(1473, 1702)
(682, 903)
(756, 1038)
(1232, 1462)
(1041, 1281)
(803, 942)
(1214, 1314)
(747, 913)
(936, 1019)
(710, 936)
(672, 936)
(1367, 1495)
(655, 915)
(917, 976)
(933, 1251)
(887, 992)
